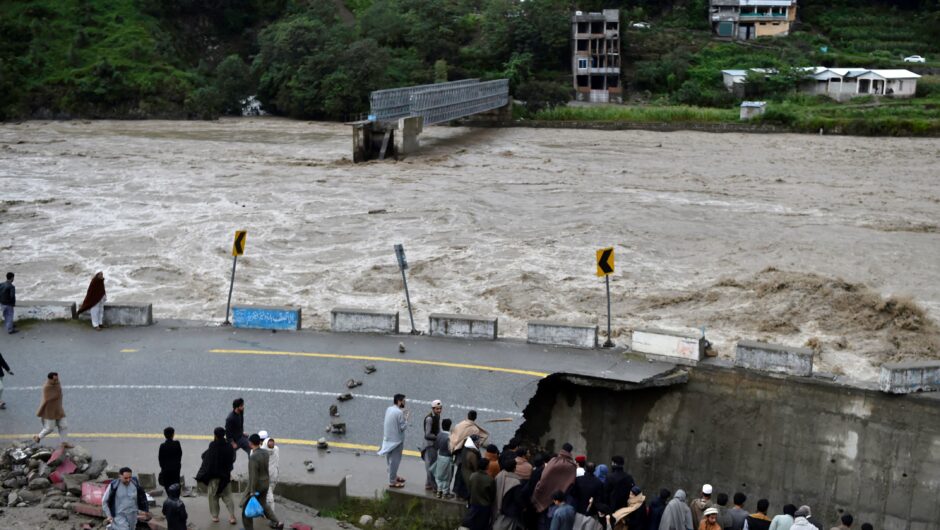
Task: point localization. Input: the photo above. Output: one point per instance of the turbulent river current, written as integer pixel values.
(501, 222)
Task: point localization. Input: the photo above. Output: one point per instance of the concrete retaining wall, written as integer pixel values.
(463, 326)
(800, 441)
(319, 496)
(904, 378)
(774, 358)
(561, 334)
(670, 346)
(125, 314)
(44, 310)
(265, 317)
(351, 319)
(448, 512)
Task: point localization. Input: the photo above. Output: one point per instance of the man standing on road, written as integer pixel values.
(216, 473)
(235, 426)
(3, 367)
(258, 482)
(7, 302)
(94, 301)
(393, 439)
(125, 502)
(50, 410)
(432, 426)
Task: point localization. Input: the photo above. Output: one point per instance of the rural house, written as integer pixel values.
(838, 83)
(749, 19)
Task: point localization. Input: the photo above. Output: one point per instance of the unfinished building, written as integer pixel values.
(595, 56)
(749, 19)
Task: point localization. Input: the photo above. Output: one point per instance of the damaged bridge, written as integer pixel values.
(398, 115)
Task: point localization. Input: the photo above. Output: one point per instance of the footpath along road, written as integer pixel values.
(126, 384)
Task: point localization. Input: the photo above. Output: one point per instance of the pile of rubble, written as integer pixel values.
(33, 475)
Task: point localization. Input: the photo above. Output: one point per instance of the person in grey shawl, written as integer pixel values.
(677, 515)
(393, 439)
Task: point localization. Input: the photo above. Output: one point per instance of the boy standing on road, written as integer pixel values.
(432, 426)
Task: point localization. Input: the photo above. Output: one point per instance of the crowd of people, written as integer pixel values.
(516, 488)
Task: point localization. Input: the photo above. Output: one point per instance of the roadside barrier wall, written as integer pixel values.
(562, 334)
(266, 317)
(358, 320)
(774, 358)
(463, 326)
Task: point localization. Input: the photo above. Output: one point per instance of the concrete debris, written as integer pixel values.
(59, 515)
(352, 383)
(380, 522)
(321, 444)
(308, 465)
(370, 368)
(365, 520)
(334, 411)
(401, 347)
(344, 397)
(338, 427)
(40, 476)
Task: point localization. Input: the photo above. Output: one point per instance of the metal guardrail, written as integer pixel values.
(393, 103)
(459, 101)
(439, 102)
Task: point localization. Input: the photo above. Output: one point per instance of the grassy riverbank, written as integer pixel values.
(918, 116)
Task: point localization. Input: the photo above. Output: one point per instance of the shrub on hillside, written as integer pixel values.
(539, 95)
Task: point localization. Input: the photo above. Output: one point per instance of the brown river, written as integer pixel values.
(798, 239)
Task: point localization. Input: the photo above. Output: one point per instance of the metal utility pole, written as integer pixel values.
(403, 265)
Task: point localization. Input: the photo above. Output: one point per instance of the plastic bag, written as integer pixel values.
(253, 508)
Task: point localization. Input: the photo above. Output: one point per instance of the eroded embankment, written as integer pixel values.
(802, 442)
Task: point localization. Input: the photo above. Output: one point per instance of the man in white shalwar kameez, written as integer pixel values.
(393, 439)
(271, 447)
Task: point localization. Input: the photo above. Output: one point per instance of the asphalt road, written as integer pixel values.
(136, 381)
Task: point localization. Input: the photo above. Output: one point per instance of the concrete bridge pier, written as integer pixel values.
(372, 140)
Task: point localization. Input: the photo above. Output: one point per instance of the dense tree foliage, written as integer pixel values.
(202, 58)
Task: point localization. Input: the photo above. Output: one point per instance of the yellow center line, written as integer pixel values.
(128, 350)
(387, 360)
(200, 437)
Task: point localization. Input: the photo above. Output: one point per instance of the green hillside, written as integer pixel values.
(320, 59)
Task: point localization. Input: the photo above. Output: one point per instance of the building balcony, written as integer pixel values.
(763, 16)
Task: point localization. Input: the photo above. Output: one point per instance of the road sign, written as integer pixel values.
(605, 261)
(400, 254)
(238, 248)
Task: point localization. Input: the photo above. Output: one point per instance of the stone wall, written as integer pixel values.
(788, 440)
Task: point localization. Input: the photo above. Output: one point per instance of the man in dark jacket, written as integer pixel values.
(432, 426)
(482, 497)
(173, 509)
(258, 483)
(8, 302)
(657, 507)
(587, 487)
(235, 426)
(170, 457)
(618, 485)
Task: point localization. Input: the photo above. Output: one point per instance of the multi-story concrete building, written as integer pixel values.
(595, 56)
(749, 19)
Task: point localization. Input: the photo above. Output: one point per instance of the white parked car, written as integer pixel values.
(641, 25)
(915, 59)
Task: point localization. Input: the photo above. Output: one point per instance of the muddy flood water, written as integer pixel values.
(831, 242)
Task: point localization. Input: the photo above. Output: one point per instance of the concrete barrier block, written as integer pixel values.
(774, 358)
(265, 317)
(319, 496)
(562, 334)
(44, 310)
(351, 319)
(669, 346)
(907, 377)
(125, 314)
(463, 326)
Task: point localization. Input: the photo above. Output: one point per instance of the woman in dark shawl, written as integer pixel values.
(94, 300)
